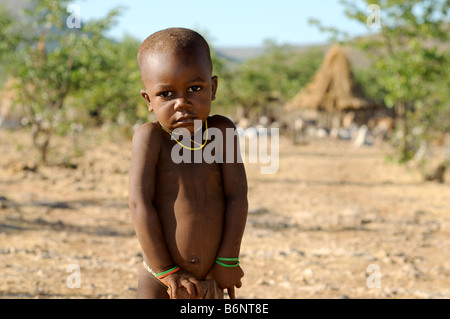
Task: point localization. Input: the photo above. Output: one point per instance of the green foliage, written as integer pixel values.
(7, 44)
(54, 66)
(114, 97)
(264, 83)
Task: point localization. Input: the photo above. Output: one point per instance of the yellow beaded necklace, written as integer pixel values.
(189, 148)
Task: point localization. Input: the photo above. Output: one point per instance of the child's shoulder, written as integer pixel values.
(148, 128)
(220, 121)
(147, 132)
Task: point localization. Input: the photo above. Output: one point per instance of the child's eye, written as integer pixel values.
(165, 94)
(195, 88)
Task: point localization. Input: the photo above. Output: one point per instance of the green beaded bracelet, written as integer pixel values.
(227, 259)
(228, 266)
(168, 272)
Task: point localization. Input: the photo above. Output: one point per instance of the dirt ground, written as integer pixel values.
(335, 221)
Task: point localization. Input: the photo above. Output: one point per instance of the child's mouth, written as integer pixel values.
(185, 119)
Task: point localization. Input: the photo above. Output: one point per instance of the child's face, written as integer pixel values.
(179, 88)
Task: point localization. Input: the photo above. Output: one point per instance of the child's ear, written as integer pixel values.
(214, 84)
(147, 100)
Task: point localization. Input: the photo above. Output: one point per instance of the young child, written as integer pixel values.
(189, 217)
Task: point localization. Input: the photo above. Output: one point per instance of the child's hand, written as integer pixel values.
(227, 278)
(181, 282)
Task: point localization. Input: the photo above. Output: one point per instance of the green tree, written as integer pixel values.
(411, 58)
(49, 62)
(266, 82)
(114, 97)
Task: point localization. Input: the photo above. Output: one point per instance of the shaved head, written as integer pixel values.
(178, 41)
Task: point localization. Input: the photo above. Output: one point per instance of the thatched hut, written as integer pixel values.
(333, 92)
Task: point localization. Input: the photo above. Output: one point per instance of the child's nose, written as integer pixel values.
(182, 103)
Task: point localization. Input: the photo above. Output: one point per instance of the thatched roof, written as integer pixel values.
(332, 88)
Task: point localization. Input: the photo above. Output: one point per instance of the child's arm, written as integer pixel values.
(235, 189)
(145, 153)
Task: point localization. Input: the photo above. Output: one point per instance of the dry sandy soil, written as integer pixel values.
(314, 228)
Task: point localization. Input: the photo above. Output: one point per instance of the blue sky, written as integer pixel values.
(229, 23)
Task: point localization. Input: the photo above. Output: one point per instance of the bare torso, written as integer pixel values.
(190, 202)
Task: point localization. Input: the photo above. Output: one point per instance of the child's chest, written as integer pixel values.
(194, 172)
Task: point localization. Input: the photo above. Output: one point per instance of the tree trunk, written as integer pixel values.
(41, 140)
(400, 125)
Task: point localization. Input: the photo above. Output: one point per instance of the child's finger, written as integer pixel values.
(231, 293)
(198, 286)
(173, 292)
(189, 286)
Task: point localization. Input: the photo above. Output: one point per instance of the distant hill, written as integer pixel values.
(241, 54)
(357, 58)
